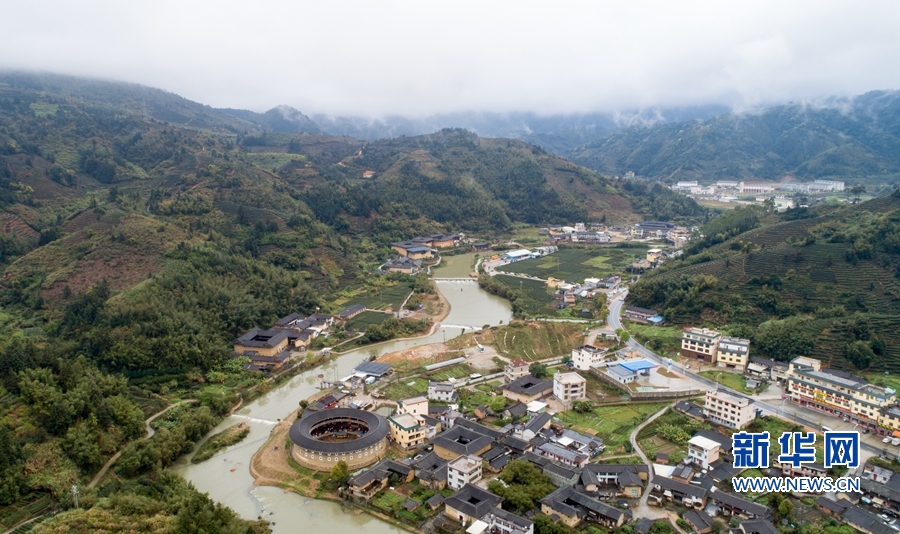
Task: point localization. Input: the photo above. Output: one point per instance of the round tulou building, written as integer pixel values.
(321, 439)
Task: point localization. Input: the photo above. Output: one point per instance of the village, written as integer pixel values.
(611, 436)
(444, 460)
(785, 194)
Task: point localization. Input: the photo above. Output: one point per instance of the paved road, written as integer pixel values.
(802, 416)
(640, 452)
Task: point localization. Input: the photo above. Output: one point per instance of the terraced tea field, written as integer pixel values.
(807, 277)
(536, 341)
(536, 296)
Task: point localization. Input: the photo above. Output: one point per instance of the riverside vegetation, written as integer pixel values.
(226, 438)
(143, 232)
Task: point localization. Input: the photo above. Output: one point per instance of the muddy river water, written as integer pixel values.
(226, 476)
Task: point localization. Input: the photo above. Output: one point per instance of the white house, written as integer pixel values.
(703, 451)
(585, 356)
(442, 391)
(464, 470)
(413, 405)
(569, 387)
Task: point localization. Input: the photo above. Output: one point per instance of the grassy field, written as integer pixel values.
(727, 379)
(664, 340)
(528, 236)
(574, 265)
(611, 423)
(363, 320)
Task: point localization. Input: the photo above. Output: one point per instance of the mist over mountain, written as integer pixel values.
(280, 119)
(558, 133)
(854, 139)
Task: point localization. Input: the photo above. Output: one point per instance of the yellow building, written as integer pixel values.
(262, 342)
(839, 394)
(733, 353)
(406, 431)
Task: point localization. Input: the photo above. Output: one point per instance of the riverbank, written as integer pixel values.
(227, 477)
(443, 311)
(272, 465)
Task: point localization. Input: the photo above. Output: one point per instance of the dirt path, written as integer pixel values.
(148, 430)
(269, 465)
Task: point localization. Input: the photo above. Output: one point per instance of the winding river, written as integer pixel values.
(226, 476)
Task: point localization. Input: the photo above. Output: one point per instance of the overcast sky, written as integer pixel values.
(382, 57)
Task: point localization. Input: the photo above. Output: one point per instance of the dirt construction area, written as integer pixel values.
(439, 352)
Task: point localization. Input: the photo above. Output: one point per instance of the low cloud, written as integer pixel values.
(417, 59)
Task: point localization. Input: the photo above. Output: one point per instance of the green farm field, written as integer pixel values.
(378, 298)
(366, 318)
(536, 296)
(574, 265)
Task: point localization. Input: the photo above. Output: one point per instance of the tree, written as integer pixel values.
(785, 508)
(497, 404)
(857, 190)
(523, 486)
(583, 406)
(537, 370)
(623, 335)
(340, 472)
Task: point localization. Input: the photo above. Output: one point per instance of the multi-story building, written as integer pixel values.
(407, 431)
(515, 369)
(569, 387)
(889, 419)
(464, 470)
(585, 356)
(442, 391)
(700, 344)
(703, 451)
(413, 405)
(500, 521)
(756, 187)
(733, 353)
(837, 393)
(829, 185)
(727, 409)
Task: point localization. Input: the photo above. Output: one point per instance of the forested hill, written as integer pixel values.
(856, 140)
(822, 282)
(140, 233)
